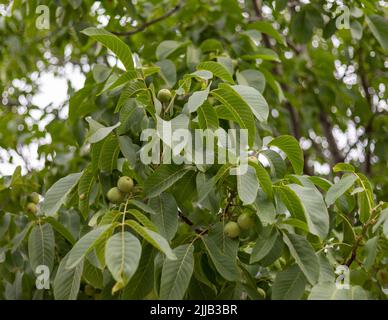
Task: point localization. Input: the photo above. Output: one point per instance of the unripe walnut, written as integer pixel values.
(34, 197)
(164, 95)
(31, 208)
(114, 195)
(232, 230)
(125, 184)
(245, 221)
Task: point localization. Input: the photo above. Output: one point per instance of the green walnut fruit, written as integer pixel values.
(164, 95)
(114, 195)
(89, 290)
(97, 296)
(245, 221)
(232, 230)
(261, 293)
(125, 184)
(34, 197)
(253, 159)
(32, 208)
(382, 277)
(184, 229)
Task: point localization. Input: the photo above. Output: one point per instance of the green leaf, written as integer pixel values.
(167, 72)
(176, 274)
(113, 43)
(86, 245)
(264, 178)
(153, 238)
(276, 163)
(314, 209)
(290, 146)
(80, 103)
(166, 218)
(289, 284)
(142, 206)
(85, 186)
(344, 167)
(197, 99)
(303, 23)
(60, 228)
(41, 246)
(67, 281)
(140, 217)
(223, 253)
(254, 100)
(93, 275)
(265, 209)
(163, 178)
(267, 28)
(379, 27)
(130, 90)
(329, 291)
(370, 252)
(247, 186)
(109, 153)
(274, 85)
(382, 221)
(207, 117)
(264, 244)
(168, 47)
(238, 107)
(115, 81)
(58, 193)
(97, 131)
(262, 53)
(326, 272)
(253, 35)
(207, 187)
(75, 3)
(100, 73)
(142, 281)
(217, 69)
(19, 238)
(304, 255)
(339, 188)
(322, 183)
(252, 78)
(122, 256)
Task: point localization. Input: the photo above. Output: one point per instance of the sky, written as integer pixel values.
(52, 90)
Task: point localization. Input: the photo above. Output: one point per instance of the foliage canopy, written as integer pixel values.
(308, 81)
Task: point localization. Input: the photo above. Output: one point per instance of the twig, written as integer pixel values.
(369, 99)
(149, 23)
(359, 238)
(189, 222)
(257, 10)
(185, 219)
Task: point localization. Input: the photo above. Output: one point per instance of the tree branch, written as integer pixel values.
(257, 10)
(328, 131)
(294, 116)
(149, 23)
(360, 237)
(369, 99)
